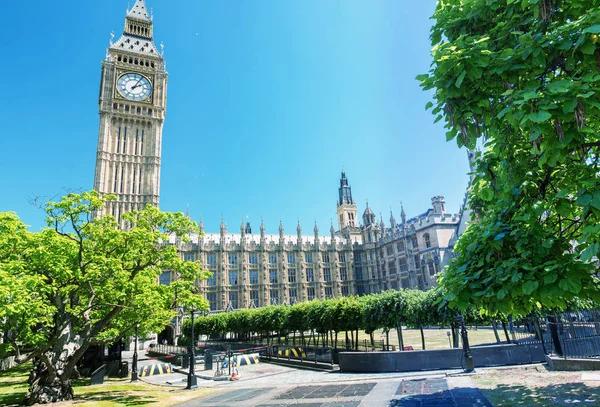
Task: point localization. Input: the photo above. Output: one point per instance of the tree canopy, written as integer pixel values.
(84, 281)
(521, 79)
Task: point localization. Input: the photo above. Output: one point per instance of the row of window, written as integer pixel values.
(135, 61)
(292, 275)
(232, 258)
(274, 298)
(233, 276)
(127, 109)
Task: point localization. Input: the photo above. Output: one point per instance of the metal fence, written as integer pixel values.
(569, 335)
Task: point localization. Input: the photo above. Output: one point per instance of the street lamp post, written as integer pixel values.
(469, 366)
(134, 367)
(192, 381)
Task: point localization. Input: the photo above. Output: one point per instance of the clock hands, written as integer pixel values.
(137, 84)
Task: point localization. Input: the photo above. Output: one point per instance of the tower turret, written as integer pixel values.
(403, 215)
(346, 208)
(299, 233)
(439, 205)
(132, 109)
(368, 216)
(281, 231)
(393, 223)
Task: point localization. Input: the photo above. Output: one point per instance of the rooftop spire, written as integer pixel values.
(139, 11)
(345, 191)
(403, 214)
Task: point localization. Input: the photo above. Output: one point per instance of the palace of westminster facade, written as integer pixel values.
(253, 269)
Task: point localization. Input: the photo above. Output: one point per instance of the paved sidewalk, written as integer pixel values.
(440, 391)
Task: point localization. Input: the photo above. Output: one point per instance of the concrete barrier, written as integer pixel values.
(416, 360)
(156, 369)
(243, 360)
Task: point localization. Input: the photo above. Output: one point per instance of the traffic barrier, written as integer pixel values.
(243, 360)
(295, 352)
(156, 369)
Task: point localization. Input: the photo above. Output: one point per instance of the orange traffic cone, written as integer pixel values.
(235, 375)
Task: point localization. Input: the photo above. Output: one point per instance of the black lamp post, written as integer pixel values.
(192, 381)
(469, 366)
(134, 367)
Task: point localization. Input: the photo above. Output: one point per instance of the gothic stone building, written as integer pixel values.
(255, 270)
(252, 270)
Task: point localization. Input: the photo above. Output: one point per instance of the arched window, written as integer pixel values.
(431, 267)
(427, 240)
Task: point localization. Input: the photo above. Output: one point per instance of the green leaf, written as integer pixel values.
(460, 78)
(529, 287)
(569, 105)
(503, 292)
(428, 105)
(571, 285)
(594, 29)
(550, 278)
(588, 48)
(539, 117)
(590, 252)
(595, 202)
(564, 209)
(499, 236)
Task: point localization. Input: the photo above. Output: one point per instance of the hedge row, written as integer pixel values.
(326, 318)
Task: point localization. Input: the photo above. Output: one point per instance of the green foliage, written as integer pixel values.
(388, 309)
(521, 78)
(82, 281)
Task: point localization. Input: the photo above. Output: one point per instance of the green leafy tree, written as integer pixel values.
(82, 282)
(521, 78)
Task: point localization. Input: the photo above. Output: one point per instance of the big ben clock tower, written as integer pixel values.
(133, 95)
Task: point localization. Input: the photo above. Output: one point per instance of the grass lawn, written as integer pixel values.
(114, 392)
(435, 338)
(535, 386)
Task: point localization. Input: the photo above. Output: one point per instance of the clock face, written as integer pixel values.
(134, 86)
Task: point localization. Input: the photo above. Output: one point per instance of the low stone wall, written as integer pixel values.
(561, 364)
(408, 361)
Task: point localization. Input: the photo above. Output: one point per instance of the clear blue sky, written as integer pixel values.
(268, 100)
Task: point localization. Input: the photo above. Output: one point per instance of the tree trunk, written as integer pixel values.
(400, 337)
(336, 338)
(495, 328)
(45, 389)
(372, 336)
(387, 339)
(356, 342)
(348, 341)
(422, 336)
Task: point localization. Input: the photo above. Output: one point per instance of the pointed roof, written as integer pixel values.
(368, 210)
(139, 12)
